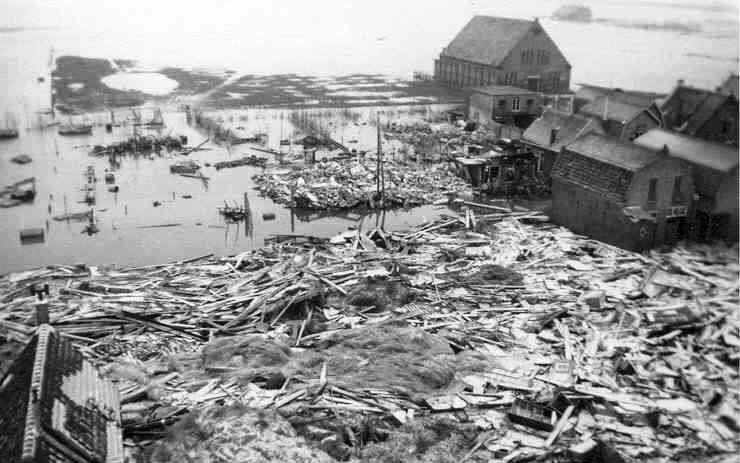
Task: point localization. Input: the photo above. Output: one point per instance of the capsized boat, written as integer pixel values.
(75, 129)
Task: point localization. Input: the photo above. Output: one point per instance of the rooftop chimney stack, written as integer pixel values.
(554, 135)
(680, 82)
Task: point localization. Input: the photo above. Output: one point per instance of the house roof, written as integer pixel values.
(731, 85)
(500, 90)
(592, 92)
(615, 110)
(612, 151)
(569, 127)
(691, 108)
(704, 112)
(694, 150)
(487, 39)
(606, 180)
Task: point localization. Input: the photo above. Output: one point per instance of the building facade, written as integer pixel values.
(503, 51)
(505, 105)
(714, 172)
(621, 193)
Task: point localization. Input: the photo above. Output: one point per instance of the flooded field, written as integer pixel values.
(132, 231)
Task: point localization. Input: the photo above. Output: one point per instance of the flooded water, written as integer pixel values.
(135, 232)
(633, 44)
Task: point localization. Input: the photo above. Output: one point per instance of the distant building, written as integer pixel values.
(549, 133)
(502, 51)
(505, 105)
(715, 177)
(621, 193)
(731, 86)
(701, 113)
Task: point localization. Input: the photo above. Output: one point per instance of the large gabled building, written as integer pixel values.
(503, 51)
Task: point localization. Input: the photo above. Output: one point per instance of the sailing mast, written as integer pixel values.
(380, 175)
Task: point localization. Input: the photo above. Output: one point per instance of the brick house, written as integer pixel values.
(621, 193)
(503, 51)
(714, 169)
(701, 113)
(504, 104)
(553, 130)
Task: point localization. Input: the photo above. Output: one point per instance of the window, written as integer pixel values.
(678, 194)
(530, 102)
(515, 104)
(652, 193)
(725, 127)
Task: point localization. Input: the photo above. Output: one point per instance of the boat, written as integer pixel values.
(19, 192)
(8, 130)
(185, 167)
(71, 128)
(74, 216)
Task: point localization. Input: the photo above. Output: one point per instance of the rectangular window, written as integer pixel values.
(515, 104)
(678, 196)
(652, 193)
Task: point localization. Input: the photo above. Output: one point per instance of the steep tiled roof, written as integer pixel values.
(487, 40)
(704, 153)
(569, 126)
(612, 151)
(607, 180)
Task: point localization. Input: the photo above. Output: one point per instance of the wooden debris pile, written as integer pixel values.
(335, 185)
(500, 338)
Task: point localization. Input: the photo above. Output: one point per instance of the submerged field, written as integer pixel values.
(79, 84)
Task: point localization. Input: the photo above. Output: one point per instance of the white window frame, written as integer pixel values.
(515, 104)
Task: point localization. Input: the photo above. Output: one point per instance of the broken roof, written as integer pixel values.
(487, 39)
(569, 127)
(610, 150)
(615, 110)
(499, 90)
(694, 150)
(691, 108)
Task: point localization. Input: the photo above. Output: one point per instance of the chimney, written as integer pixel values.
(554, 135)
(664, 150)
(680, 83)
(606, 108)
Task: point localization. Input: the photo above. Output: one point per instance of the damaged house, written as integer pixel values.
(553, 130)
(624, 115)
(714, 169)
(504, 104)
(621, 193)
(503, 51)
(701, 113)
